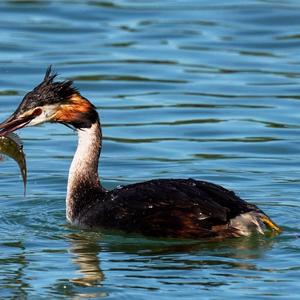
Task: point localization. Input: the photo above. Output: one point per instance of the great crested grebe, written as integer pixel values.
(184, 208)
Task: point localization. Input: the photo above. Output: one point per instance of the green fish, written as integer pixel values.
(11, 145)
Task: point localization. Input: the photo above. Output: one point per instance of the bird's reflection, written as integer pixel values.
(86, 251)
(85, 247)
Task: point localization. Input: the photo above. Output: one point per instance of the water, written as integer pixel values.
(203, 89)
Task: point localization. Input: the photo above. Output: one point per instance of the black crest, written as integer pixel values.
(47, 92)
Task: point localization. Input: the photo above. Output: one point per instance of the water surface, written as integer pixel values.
(200, 89)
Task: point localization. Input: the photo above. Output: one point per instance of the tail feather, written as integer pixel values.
(249, 222)
(270, 224)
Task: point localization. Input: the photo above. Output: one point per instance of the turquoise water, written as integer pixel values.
(202, 89)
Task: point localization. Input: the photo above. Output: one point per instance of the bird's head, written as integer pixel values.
(52, 101)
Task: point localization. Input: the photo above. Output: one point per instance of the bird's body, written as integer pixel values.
(185, 208)
(163, 207)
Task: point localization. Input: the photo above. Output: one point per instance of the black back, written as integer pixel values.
(168, 207)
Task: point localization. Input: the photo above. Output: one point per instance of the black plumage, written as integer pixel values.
(169, 207)
(48, 92)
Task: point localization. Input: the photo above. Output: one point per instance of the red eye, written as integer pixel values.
(37, 112)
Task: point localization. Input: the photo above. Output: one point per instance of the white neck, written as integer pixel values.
(83, 182)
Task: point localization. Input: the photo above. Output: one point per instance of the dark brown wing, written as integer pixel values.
(170, 207)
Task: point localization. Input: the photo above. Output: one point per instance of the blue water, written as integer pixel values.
(202, 89)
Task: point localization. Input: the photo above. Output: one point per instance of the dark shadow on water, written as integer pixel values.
(136, 256)
(241, 248)
(164, 254)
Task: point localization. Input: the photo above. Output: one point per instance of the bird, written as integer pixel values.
(163, 208)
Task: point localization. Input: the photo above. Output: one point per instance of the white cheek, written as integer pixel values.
(47, 112)
(38, 120)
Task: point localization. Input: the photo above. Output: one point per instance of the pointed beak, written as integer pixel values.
(16, 121)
